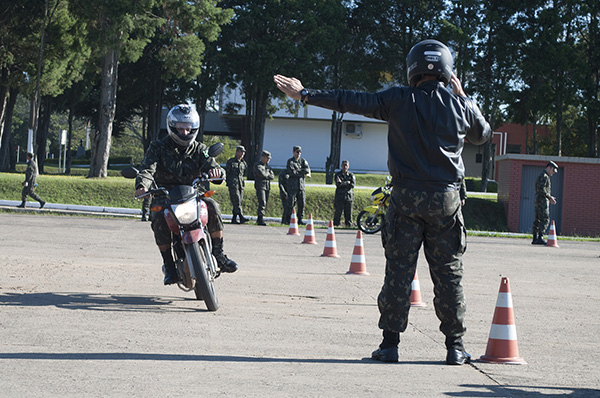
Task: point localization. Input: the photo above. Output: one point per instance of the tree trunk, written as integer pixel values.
(4, 95)
(69, 141)
(108, 102)
(154, 111)
(256, 114)
(6, 151)
(333, 160)
(42, 132)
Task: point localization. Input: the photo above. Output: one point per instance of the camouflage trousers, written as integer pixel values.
(542, 215)
(28, 190)
(299, 197)
(236, 194)
(344, 205)
(162, 233)
(435, 220)
(262, 196)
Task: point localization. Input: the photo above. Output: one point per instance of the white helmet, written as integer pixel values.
(183, 113)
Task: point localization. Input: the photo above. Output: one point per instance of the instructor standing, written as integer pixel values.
(543, 198)
(427, 126)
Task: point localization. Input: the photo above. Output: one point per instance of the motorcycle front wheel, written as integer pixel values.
(369, 223)
(204, 287)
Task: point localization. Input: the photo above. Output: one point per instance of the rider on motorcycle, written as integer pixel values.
(174, 160)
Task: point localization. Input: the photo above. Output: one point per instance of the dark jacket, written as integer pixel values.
(427, 126)
(172, 165)
(263, 174)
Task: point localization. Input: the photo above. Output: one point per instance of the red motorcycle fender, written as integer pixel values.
(192, 236)
(171, 222)
(203, 212)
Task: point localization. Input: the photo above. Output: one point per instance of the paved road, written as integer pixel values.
(84, 314)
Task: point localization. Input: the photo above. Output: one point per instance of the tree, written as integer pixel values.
(120, 31)
(494, 68)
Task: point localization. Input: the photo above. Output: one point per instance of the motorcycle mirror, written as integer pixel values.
(129, 172)
(215, 149)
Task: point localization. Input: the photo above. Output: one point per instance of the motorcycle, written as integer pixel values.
(186, 215)
(370, 220)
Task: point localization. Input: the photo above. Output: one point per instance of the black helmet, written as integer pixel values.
(429, 57)
(183, 113)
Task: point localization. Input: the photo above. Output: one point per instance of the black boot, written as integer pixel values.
(22, 205)
(234, 219)
(243, 219)
(144, 216)
(42, 204)
(388, 349)
(260, 221)
(225, 264)
(169, 269)
(456, 352)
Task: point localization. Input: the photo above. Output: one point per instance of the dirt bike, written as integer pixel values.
(370, 220)
(187, 217)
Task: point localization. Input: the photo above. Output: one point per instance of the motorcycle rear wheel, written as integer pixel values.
(369, 223)
(204, 286)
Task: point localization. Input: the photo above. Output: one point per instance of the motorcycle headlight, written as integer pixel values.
(186, 213)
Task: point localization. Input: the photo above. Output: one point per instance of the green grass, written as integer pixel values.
(480, 213)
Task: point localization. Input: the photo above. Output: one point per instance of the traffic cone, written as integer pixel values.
(415, 294)
(330, 249)
(502, 344)
(358, 265)
(552, 242)
(293, 224)
(309, 234)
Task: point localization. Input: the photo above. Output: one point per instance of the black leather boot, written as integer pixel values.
(388, 349)
(234, 219)
(169, 269)
(243, 219)
(260, 221)
(225, 264)
(456, 352)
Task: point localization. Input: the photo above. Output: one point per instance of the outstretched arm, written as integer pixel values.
(289, 85)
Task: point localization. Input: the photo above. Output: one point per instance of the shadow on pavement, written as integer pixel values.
(95, 302)
(125, 356)
(523, 391)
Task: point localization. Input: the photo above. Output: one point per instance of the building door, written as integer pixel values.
(527, 212)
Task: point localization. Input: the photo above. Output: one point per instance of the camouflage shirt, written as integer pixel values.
(235, 172)
(263, 176)
(172, 165)
(345, 188)
(31, 173)
(542, 187)
(296, 170)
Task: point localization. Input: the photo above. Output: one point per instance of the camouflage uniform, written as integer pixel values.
(283, 195)
(297, 170)
(236, 169)
(170, 165)
(434, 219)
(31, 174)
(262, 184)
(344, 197)
(542, 206)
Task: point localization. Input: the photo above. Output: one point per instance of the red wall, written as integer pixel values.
(581, 191)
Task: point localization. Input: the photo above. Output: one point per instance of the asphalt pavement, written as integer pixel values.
(84, 314)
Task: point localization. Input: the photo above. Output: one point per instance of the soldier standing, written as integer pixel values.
(283, 195)
(235, 169)
(262, 183)
(29, 185)
(344, 195)
(542, 206)
(297, 168)
(427, 126)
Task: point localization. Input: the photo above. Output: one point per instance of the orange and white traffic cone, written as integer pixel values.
(309, 234)
(357, 264)
(552, 242)
(415, 294)
(293, 224)
(330, 249)
(502, 344)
